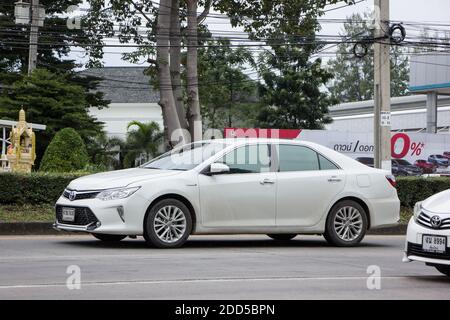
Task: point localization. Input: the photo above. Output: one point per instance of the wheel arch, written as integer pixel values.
(361, 202)
(178, 197)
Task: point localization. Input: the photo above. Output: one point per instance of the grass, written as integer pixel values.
(27, 213)
(405, 214)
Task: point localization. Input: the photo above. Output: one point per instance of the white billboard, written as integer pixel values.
(433, 148)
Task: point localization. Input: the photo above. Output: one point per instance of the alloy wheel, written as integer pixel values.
(348, 223)
(169, 224)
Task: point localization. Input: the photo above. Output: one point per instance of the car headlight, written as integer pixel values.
(113, 194)
(417, 209)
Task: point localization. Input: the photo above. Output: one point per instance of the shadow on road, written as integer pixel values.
(431, 280)
(223, 243)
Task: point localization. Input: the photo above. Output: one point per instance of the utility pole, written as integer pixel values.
(34, 28)
(382, 87)
(230, 77)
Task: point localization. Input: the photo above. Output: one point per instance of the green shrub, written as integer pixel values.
(65, 153)
(413, 189)
(40, 188)
(34, 188)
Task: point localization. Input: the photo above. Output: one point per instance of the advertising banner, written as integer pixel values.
(420, 149)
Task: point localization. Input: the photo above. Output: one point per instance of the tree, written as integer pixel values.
(291, 90)
(173, 23)
(145, 140)
(65, 153)
(55, 41)
(50, 99)
(14, 38)
(225, 91)
(167, 25)
(353, 76)
(106, 152)
(291, 94)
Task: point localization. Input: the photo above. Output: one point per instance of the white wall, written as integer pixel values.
(401, 120)
(118, 115)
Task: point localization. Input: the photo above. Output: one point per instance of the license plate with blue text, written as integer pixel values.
(436, 244)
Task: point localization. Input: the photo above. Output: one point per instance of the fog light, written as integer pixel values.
(121, 213)
(98, 224)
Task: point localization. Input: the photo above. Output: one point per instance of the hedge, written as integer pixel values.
(34, 188)
(38, 188)
(413, 189)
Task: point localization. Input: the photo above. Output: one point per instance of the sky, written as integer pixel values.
(437, 11)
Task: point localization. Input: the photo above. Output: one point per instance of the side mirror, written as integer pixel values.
(217, 168)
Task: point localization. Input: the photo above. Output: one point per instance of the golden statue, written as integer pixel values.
(21, 152)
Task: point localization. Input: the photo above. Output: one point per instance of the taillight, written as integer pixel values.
(391, 180)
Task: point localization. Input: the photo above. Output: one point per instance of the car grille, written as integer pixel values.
(83, 216)
(81, 195)
(416, 250)
(425, 220)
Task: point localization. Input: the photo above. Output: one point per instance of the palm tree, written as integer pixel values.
(145, 140)
(106, 152)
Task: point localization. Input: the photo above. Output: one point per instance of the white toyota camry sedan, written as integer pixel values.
(429, 232)
(261, 186)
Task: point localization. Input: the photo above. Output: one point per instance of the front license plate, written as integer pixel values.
(436, 244)
(68, 214)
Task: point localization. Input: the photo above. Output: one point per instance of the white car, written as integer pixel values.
(261, 186)
(428, 233)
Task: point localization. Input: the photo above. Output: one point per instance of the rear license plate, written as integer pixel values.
(436, 244)
(68, 214)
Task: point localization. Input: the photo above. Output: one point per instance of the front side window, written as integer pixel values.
(248, 159)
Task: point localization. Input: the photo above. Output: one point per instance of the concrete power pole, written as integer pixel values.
(382, 87)
(34, 28)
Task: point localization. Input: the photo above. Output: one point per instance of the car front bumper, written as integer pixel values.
(413, 245)
(123, 216)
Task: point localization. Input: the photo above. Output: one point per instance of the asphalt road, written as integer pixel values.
(213, 267)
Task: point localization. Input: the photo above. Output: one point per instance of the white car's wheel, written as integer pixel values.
(346, 224)
(443, 269)
(168, 224)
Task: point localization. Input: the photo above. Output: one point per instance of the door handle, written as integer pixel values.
(267, 181)
(334, 179)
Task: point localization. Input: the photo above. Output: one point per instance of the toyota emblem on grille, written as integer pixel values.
(72, 195)
(436, 222)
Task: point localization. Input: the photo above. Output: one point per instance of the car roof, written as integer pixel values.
(342, 160)
(254, 140)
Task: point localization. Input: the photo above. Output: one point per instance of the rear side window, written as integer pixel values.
(297, 158)
(326, 164)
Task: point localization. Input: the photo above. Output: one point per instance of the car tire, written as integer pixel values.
(282, 236)
(168, 224)
(346, 224)
(109, 237)
(444, 269)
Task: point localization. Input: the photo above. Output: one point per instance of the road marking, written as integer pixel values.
(178, 281)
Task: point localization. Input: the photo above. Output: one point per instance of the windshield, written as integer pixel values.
(186, 157)
(403, 162)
